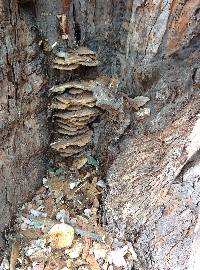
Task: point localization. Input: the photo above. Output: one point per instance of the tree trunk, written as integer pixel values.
(153, 49)
(23, 114)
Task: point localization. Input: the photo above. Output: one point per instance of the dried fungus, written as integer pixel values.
(72, 129)
(70, 133)
(79, 99)
(75, 91)
(102, 88)
(70, 151)
(77, 114)
(70, 125)
(78, 103)
(79, 141)
(73, 59)
(85, 85)
(86, 51)
(61, 236)
(65, 67)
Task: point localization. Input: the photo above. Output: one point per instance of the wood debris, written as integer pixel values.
(56, 233)
(14, 254)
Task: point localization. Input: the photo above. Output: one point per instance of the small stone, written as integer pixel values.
(101, 184)
(99, 250)
(83, 267)
(116, 257)
(72, 185)
(45, 181)
(144, 112)
(75, 251)
(138, 101)
(37, 213)
(38, 265)
(63, 216)
(5, 264)
(87, 213)
(61, 236)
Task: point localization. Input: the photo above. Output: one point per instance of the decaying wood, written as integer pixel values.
(151, 48)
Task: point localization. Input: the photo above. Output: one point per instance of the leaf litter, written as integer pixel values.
(59, 229)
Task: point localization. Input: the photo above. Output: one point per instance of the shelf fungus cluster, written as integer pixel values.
(76, 104)
(75, 109)
(73, 59)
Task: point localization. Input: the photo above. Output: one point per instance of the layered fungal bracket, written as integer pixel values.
(73, 59)
(76, 104)
(74, 110)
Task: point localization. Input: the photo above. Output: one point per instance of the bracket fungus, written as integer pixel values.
(71, 145)
(75, 108)
(73, 59)
(83, 99)
(84, 85)
(76, 104)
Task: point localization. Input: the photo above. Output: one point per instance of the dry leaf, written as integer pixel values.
(116, 257)
(132, 251)
(100, 250)
(79, 163)
(14, 254)
(92, 262)
(55, 262)
(31, 233)
(86, 247)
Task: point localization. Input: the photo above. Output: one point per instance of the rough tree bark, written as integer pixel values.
(153, 184)
(23, 118)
